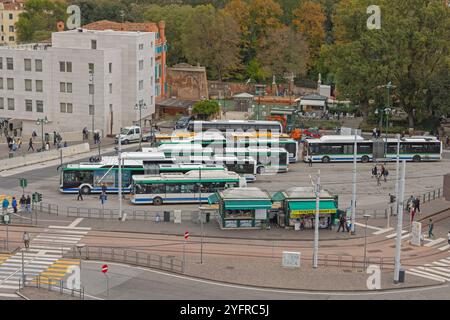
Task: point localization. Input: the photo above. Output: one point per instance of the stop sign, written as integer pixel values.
(186, 235)
(105, 268)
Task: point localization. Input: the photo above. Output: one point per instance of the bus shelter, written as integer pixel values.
(242, 208)
(298, 206)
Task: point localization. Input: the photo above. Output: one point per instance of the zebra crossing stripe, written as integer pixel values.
(434, 242)
(383, 231)
(392, 235)
(444, 247)
(425, 275)
(443, 275)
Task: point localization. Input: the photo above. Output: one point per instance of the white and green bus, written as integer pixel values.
(191, 187)
(245, 167)
(273, 160)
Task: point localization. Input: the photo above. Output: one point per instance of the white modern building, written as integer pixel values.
(83, 79)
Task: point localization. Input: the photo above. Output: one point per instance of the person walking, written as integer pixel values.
(430, 229)
(30, 145)
(374, 171)
(14, 204)
(26, 239)
(379, 179)
(55, 138)
(417, 204)
(341, 223)
(5, 205)
(385, 174)
(23, 203)
(374, 133)
(310, 162)
(80, 194)
(28, 204)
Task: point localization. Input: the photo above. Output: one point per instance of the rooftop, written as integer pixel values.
(244, 193)
(126, 26)
(29, 46)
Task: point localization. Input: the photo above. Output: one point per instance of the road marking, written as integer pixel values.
(392, 235)
(62, 227)
(368, 227)
(444, 247)
(441, 274)
(432, 243)
(75, 222)
(383, 231)
(424, 275)
(9, 295)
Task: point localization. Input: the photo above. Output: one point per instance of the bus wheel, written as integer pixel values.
(365, 159)
(326, 159)
(260, 170)
(86, 190)
(157, 201)
(416, 158)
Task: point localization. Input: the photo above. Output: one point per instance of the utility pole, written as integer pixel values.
(398, 241)
(120, 175)
(139, 106)
(201, 215)
(316, 223)
(355, 154)
(397, 168)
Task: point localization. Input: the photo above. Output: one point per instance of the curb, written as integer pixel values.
(22, 296)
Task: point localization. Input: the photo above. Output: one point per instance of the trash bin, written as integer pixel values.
(208, 217)
(401, 276)
(166, 216)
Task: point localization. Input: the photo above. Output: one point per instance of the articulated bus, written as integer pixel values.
(235, 125)
(340, 149)
(191, 187)
(90, 176)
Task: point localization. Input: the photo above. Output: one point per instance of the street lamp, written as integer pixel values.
(366, 216)
(41, 122)
(139, 106)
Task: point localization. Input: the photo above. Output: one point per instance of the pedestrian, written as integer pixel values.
(448, 237)
(417, 204)
(65, 144)
(349, 225)
(55, 138)
(5, 205)
(310, 161)
(374, 133)
(30, 145)
(341, 223)
(302, 224)
(374, 171)
(14, 204)
(430, 229)
(22, 202)
(378, 179)
(26, 239)
(19, 143)
(47, 146)
(28, 203)
(157, 217)
(80, 194)
(385, 174)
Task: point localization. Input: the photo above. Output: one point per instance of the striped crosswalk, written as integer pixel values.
(44, 257)
(437, 270)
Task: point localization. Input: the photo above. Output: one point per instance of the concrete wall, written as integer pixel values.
(42, 156)
(447, 187)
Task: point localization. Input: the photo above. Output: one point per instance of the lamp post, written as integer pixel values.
(366, 216)
(200, 211)
(41, 122)
(139, 106)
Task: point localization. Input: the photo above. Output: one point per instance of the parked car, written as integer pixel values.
(183, 122)
(132, 134)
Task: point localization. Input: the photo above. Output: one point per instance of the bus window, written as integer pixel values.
(348, 149)
(173, 188)
(283, 158)
(187, 188)
(365, 148)
(314, 149)
(156, 188)
(392, 148)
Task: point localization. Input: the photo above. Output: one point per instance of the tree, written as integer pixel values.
(39, 19)
(256, 72)
(212, 40)
(206, 108)
(283, 51)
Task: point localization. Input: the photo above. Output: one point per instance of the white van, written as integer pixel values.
(130, 134)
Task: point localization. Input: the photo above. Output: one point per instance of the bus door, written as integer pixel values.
(378, 149)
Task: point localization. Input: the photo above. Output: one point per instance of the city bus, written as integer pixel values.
(245, 167)
(340, 149)
(273, 160)
(191, 187)
(90, 177)
(235, 125)
(181, 151)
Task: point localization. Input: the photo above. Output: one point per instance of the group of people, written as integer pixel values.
(96, 137)
(380, 173)
(344, 224)
(13, 143)
(24, 202)
(376, 133)
(413, 205)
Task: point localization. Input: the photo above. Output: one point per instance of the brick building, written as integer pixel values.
(160, 46)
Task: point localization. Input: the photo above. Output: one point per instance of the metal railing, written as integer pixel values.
(131, 257)
(426, 197)
(353, 262)
(43, 207)
(43, 282)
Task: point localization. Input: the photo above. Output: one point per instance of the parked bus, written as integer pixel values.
(90, 177)
(340, 149)
(191, 187)
(268, 160)
(235, 125)
(245, 167)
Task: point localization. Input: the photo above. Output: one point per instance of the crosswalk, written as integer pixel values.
(438, 270)
(44, 256)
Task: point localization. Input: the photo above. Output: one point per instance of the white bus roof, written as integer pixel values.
(222, 159)
(337, 138)
(193, 174)
(143, 155)
(238, 121)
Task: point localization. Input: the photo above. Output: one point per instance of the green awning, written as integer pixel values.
(214, 198)
(298, 208)
(247, 204)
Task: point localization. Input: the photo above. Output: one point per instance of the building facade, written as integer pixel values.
(159, 45)
(84, 78)
(187, 82)
(9, 15)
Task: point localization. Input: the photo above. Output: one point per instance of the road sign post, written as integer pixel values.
(23, 184)
(104, 271)
(186, 237)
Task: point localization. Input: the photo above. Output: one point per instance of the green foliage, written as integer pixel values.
(206, 108)
(255, 71)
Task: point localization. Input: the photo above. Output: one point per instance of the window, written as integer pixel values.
(27, 63)
(141, 84)
(11, 28)
(11, 38)
(38, 65)
(62, 87)
(1, 63)
(11, 16)
(91, 68)
(69, 87)
(28, 85)
(2, 103)
(141, 46)
(91, 89)
(39, 86)
(110, 88)
(62, 107)
(141, 64)
(69, 66)
(39, 106)
(10, 83)
(9, 64)
(10, 104)
(29, 105)
(62, 66)
(93, 44)
(1, 83)
(110, 67)
(91, 110)
(69, 108)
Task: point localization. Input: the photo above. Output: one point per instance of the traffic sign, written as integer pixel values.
(105, 268)
(186, 235)
(23, 183)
